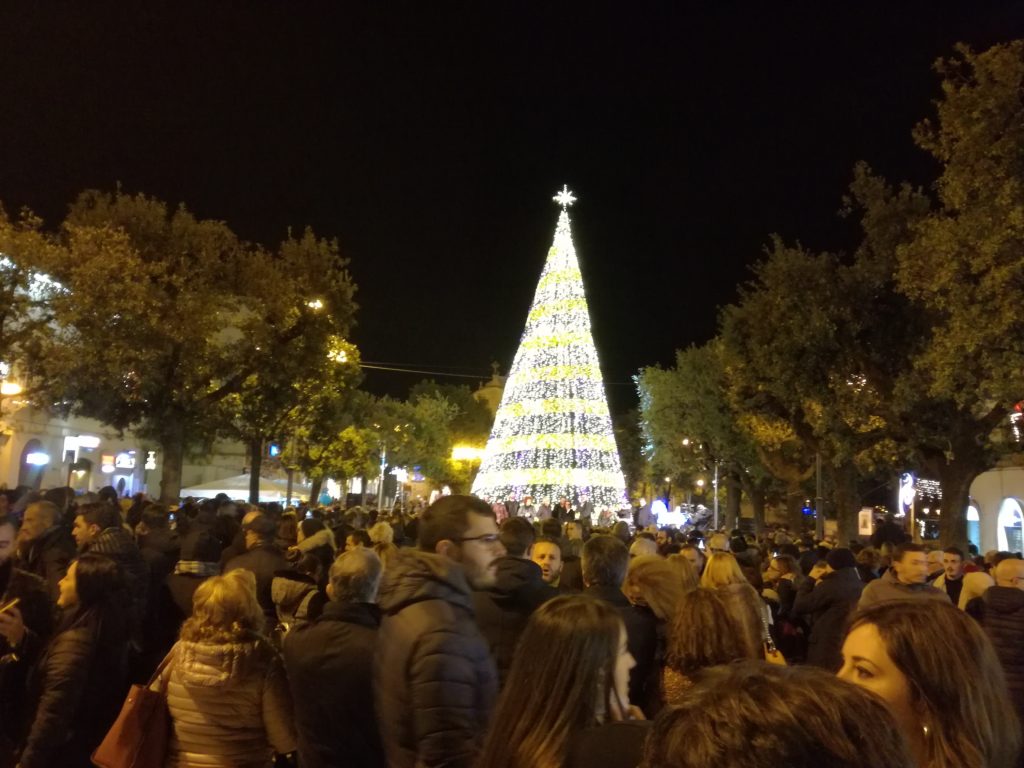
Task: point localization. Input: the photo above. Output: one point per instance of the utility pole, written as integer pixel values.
(714, 483)
(819, 505)
(380, 483)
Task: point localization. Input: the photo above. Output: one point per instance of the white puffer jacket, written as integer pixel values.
(229, 705)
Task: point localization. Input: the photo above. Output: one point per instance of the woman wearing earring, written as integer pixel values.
(939, 674)
(565, 702)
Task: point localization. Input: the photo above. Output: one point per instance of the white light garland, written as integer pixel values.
(552, 436)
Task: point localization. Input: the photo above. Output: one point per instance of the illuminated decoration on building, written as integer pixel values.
(552, 436)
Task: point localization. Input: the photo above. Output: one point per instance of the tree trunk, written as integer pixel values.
(733, 493)
(255, 467)
(955, 478)
(845, 500)
(173, 448)
(314, 490)
(795, 498)
(758, 497)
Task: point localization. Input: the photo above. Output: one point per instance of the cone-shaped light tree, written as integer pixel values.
(552, 436)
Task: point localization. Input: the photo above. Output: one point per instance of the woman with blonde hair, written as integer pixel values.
(940, 676)
(689, 579)
(226, 690)
(721, 570)
(723, 574)
(382, 535)
(566, 696)
(653, 583)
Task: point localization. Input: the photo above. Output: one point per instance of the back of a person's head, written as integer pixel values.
(97, 580)
(704, 633)
(652, 582)
(686, 573)
(956, 680)
(225, 610)
(551, 528)
(310, 526)
(604, 561)
(200, 546)
(381, 533)
(448, 518)
(101, 514)
(108, 493)
(355, 576)
(155, 517)
(517, 535)
(721, 570)
(757, 715)
(559, 683)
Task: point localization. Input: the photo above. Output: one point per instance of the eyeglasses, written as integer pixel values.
(487, 538)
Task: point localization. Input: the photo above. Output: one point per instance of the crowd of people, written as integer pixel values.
(447, 637)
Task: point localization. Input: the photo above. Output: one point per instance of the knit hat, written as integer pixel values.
(840, 557)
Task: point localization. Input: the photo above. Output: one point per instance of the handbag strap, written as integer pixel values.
(158, 673)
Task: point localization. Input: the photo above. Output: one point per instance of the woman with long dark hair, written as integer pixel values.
(566, 696)
(939, 674)
(76, 689)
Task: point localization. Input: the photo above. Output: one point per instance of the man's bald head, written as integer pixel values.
(1010, 573)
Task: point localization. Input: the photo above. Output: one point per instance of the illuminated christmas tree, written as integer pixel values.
(552, 434)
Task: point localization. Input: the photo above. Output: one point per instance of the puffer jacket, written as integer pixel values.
(1001, 612)
(229, 703)
(434, 680)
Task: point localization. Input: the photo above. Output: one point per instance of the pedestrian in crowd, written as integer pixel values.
(263, 558)
(643, 545)
(208, 519)
(827, 598)
(905, 579)
(703, 634)
(693, 553)
(605, 562)
(685, 572)
(329, 663)
(356, 539)
(200, 555)
(315, 538)
(44, 546)
(297, 594)
(25, 628)
(952, 577)
(99, 530)
(503, 609)
(434, 679)
(159, 546)
(654, 585)
(75, 691)
(382, 536)
(782, 580)
(566, 701)
(757, 715)
(546, 552)
(750, 613)
(935, 567)
(869, 560)
(940, 676)
(1000, 611)
(226, 689)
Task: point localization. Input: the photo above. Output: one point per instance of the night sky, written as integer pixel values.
(429, 138)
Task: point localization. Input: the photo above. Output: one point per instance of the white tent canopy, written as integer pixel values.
(237, 487)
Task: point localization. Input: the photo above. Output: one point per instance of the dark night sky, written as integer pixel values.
(429, 138)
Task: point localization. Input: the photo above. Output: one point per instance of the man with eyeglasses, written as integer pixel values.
(434, 680)
(1000, 611)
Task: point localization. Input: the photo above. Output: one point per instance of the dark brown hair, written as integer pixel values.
(559, 683)
(756, 715)
(705, 634)
(955, 676)
(448, 518)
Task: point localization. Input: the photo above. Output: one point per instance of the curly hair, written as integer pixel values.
(225, 610)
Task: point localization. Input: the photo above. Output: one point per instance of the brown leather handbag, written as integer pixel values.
(138, 738)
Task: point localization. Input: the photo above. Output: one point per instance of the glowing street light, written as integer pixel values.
(10, 388)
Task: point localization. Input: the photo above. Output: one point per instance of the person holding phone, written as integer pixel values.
(566, 699)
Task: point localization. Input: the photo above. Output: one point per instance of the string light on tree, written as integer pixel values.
(552, 434)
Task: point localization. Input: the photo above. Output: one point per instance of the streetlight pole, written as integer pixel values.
(380, 483)
(715, 485)
(819, 506)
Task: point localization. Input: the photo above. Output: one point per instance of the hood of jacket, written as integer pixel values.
(112, 541)
(1004, 599)
(217, 664)
(288, 589)
(318, 539)
(514, 574)
(417, 576)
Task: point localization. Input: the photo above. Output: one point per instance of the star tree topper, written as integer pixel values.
(564, 198)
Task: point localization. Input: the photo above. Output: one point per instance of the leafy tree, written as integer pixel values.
(165, 316)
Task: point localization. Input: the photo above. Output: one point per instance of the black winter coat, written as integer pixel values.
(75, 692)
(117, 544)
(48, 557)
(263, 561)
(1000, 610)
(434, 680)
(642, 633)
(329, 664)
(503, 610)
(611, 745)
(828, 603)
